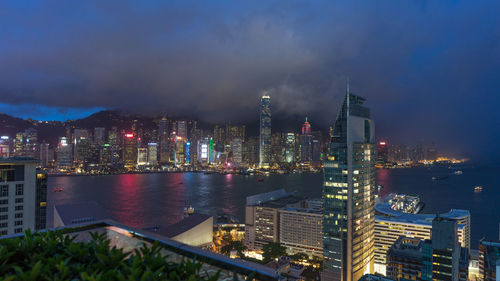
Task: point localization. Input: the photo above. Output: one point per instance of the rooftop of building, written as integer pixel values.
(490, 243)
(303, 210)
(180, 227)
(492, 251)
(409, 220)
(409, 247)
(274, 199)
(260, 198)
(17, 159)
(282, 202)
(81, 212)
(385, 210)
(372, 277)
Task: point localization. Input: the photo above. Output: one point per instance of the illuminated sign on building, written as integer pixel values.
(204, 151)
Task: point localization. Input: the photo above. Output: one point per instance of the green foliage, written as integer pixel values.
(273, 250)
(234, 245)
(55, 256)
(299, 257)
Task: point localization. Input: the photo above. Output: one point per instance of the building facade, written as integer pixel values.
(489, 260)
(404, 259)
(349, 194)
(265, 132)
(390, 225)
(23, 195)
(301, 231)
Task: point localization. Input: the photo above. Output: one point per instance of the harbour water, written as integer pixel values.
(144, 200)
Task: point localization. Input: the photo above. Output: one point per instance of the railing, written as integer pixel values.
(129, 238)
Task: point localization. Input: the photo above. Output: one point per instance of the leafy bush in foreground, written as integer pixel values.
(55, 256)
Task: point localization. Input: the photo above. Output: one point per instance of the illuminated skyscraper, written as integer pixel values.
(265, 132)
(153, 154)
(4, 146)
(64, 154)
(182, 129)
(237, 147)
(290, 148)
(349, 194)
(163, 141)
(129, 152)
(142, 156)
(306, 144)
(382, 152)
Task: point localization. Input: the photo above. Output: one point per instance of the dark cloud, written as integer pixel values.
(429, 68)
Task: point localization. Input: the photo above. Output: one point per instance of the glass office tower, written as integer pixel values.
(349, 194)
(265, 132)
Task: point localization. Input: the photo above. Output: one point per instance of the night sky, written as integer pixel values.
(429, 69)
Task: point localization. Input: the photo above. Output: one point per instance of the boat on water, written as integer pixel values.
(260, 179)
(58, 189)
(439, 178)
(458, 172)
(478, 188)
(188, 211)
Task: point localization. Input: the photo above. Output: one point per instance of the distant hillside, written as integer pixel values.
(10, 125)
(51, 131)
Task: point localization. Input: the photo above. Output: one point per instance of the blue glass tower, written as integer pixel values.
(349, 194)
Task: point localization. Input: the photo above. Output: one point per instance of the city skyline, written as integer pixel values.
(250, 140)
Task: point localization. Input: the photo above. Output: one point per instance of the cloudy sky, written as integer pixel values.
(429, 69)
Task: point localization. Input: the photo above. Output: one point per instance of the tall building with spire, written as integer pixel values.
(349, 194)
(265, 132)
(306, 141)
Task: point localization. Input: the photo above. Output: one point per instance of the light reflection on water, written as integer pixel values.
(143, 200)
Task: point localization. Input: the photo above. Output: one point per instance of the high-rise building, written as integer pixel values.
(316, 153)
(391, 224)
(19, 144)
(142, 156)
(25, 143)
(182, 129)
(4, 146)
(31, 145)
(237, 148)
(265, 132)
(251, 151)
(203, 157)
(153, 153)
(99, 135)
(44, 154)
(349, 194)
(163, 126)
(290, 148)
(278, 148)
(64, 154)
(404, 259)
(301, 231)
(382, 152)
(163, 141)
(23, 195)
(489, 260)
(441, 257)
(129, 156)
(262, 217)
(114, 147)
(179, 156)
(306, 144)
(41, 200)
